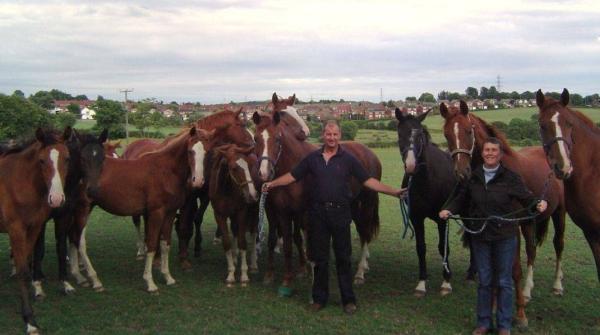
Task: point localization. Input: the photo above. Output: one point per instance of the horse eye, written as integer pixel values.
(42, 161)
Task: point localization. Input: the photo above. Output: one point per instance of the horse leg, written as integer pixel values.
(252, 225)
(527, 229)
(272, 241)
(152, 225)
(165, 246)
(141, 246)
(421, 248)
(226, 242)
(198, 218)
(242, 247)
(521, 319)
(79, 240)
(558, 219)
(21, 251)
(185, 229)
(286, 230)
(444, 248)
(298, 222)
(62, 224)
(593, 238)
(38, 257)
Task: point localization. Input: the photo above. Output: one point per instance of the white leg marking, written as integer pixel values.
(74, 265)
(141, 244)
(148, 273)
(68, 288)
(31, 330)
(164, 262)
(37, 289)
(279, 245)
(230, 268)
(244, 269)
(421, 287)
(363, 265)
(558, 287)
(446, 288)
(528, 283)
(87, 263)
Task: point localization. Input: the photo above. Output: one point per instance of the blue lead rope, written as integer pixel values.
(261, 220)
(405, 210)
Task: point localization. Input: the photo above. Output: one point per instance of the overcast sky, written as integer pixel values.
(215, 51)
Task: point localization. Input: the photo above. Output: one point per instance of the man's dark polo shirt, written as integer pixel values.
(331, 179)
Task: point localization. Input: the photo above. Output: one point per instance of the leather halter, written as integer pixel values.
(272, 162)
(465, 151)
(414, 133)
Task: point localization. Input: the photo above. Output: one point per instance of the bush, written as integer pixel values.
(62, 120)
(349, 130)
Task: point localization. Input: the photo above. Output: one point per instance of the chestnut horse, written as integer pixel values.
(31, 186)
(155, 186)
(465, 134)
(280, 149)
(71, 219)
(234, 195)
(571, 142)
(110, 149)
(428, 174)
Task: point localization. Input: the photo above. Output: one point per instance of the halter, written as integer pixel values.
(238, 183)
(465, 151)
(411, 146)
(554, 140)
(272, 162)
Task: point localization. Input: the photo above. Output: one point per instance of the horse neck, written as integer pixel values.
(220, 183)
(292, 152)
(583, 150)
(173, 156)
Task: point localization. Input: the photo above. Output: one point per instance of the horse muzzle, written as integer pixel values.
(197, 182)
(56, 199)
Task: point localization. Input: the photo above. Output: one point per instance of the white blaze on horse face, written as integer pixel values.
(293, 113)
(251, 189)
(264, 164)
(567, 168)
(410, 161)
(115, 155)
(56, 196)
(198, 173)
(456, 130)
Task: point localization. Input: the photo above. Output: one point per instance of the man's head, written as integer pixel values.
(331, 134)
(492, 152)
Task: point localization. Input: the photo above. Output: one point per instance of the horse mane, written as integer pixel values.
(577, 114)
(170, 141)
(492, 131)
(50, 137)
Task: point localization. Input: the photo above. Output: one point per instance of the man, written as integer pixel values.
(329, 212)
(491, 191)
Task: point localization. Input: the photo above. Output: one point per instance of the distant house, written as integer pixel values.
(61, 106)
(88, 114)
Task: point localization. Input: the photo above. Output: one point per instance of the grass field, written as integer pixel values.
(201, 304)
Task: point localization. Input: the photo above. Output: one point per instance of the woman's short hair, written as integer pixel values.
(494, 140)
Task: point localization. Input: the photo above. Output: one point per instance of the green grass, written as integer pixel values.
(201, 304)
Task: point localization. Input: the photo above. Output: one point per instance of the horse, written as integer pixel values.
(71, 219)
(570, 143)
(233, 194)
(279, 147)
(110, 149)
(32, 182)
(155, 186)
(465, 134)
(428, 173)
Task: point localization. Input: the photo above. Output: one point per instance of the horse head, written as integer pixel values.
(110, 149)
(240, 163)
(556, 132)
(229, 127)
(200, 142)
(460, 135)
(290, 116)
(53, 159)
(268, 137)
(92, 156)
(412, 139)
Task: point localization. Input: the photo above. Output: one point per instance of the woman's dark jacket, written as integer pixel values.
(477, 199)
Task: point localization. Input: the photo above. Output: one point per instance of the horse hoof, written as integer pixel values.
(40, 297)
(216, 241)
(359, 281)
(253, 270)
(152, 291)
(445, 291)
(419, 294)
(557, 292)
(84, 283)
(527, 299)
(229, 284)
(140, 257)
(244, 284)
(99, 289)
(521, 324)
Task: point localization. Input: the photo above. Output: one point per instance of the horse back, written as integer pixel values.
(139, 147)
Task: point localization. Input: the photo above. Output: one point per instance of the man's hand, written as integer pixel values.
(541, 206)
(402, 193)
(265, 187)
(444, 214)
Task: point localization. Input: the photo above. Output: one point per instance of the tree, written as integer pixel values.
(443, 95)
(472, 92)
(412, 99)
(81, 97)
(110, 115)
(454, 96)
(141, 120)
(576, 99)
(20, 117)
(74, 109)
(62, 120)
(592, 100)
(483, 93)
(349, 130)
(19, 93)
(157, 120)
(493, 93)
(528, 95)
(427, 97)
(514, 95)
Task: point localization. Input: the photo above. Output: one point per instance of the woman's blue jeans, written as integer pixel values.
(494, 260)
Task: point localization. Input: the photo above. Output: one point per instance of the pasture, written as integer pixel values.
(200, 302)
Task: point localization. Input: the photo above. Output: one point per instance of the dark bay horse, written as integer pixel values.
(428, 171)
(280, 148)
(571, 142)
(31, 186)
(71, 218)
(234, 195)
(154, 186)
(465, 134)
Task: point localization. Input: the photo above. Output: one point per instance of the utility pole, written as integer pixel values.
(381, 94)
(126, 90)
(498, 84)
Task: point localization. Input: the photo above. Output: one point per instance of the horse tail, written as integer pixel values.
(541, 230)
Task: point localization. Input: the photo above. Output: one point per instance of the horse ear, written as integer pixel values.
(422, 117)
(293, 98)
(274, 99)
(40, 136)
(276, 118)
(118, 144)
(256, 118)
(399, 115)
(539, 98)
(444, 110)
(103, 136)
(564, 97)
(464, 108)
(67, 133)
(193, 131)
(239, 112)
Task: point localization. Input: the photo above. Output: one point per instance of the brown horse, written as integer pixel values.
(110, 149)
(571, 142)
(155, 186)
(233, 194)
(280, 149)
(31, 186)
(465, 134)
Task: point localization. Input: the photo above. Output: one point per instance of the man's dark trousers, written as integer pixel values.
(331, 221)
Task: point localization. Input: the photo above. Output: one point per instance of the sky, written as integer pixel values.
(216, 51)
